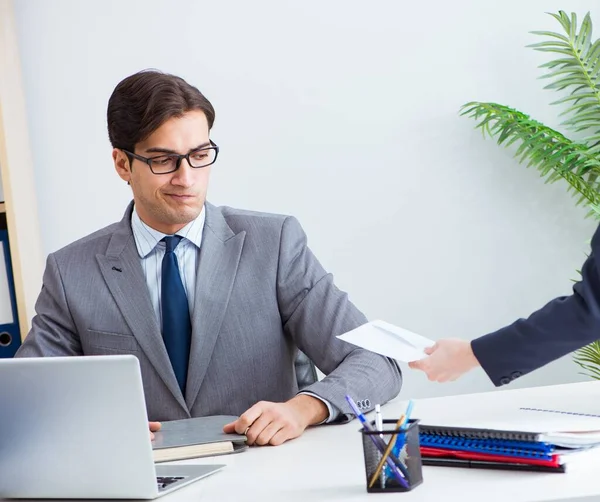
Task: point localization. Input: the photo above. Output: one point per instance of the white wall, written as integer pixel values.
(345, 114)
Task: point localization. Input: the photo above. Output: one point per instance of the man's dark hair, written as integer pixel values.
(142, 102)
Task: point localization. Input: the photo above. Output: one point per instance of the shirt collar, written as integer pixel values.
(147, 238)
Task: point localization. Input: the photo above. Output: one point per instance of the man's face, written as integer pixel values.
(168, 202)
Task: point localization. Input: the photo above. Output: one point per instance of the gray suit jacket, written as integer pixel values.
(260, 295)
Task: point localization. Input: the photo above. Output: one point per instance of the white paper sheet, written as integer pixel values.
(388, 340)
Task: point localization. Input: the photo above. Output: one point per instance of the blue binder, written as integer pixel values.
(511, 448)
(10, 335)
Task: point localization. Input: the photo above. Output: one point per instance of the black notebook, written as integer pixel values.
(487, 464)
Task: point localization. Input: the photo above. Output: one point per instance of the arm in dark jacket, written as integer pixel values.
(562, 326)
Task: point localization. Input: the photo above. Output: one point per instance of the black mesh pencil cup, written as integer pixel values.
(401, 469)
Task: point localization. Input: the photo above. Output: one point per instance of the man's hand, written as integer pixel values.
(448, 360)
(275, 423)
(153, 426)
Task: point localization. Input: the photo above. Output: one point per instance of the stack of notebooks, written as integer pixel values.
(505, 449)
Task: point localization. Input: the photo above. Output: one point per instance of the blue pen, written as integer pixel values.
(395, 467)
(409, 409)
(399, 442)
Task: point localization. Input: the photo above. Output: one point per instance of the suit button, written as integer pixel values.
(516, 374)
(505, 380)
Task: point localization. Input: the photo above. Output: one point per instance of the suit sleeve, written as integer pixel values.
(562, 326)
(314, 311)
(53, 331)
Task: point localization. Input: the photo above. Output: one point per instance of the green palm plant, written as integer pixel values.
(575, 73)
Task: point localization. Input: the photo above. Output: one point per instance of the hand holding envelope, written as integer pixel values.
(389, 340)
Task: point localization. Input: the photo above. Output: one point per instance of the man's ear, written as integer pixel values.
(122, 164)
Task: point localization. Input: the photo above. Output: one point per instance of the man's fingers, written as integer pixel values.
(424, 364)
(154, 426)
(257, 428)
(447, 360)
(268, 423)
(229, 428)
(268, 432)
(418, 364)
(421, 364)
(248, 418)
(443, 377)
(280, 437)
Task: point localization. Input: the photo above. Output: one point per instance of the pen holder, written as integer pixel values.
(405, 449)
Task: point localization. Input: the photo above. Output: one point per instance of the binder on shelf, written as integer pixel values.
(10, 337)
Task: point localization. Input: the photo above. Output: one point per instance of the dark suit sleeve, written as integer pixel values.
(314, 311)
(562, 326)
(52, 331)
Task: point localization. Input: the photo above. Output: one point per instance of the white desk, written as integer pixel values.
(326, 463)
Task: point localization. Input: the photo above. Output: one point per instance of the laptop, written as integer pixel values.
(77, 427)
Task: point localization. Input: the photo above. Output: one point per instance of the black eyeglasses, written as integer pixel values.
(170, 162)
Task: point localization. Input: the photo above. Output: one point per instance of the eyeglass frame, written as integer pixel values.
(186, 156)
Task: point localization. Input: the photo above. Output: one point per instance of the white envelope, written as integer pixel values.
(388, 340)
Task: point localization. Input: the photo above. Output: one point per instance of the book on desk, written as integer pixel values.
(554, 441)
(196, 437)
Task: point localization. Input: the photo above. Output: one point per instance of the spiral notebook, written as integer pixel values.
(454, 451)
(541, 425)
(497, 447)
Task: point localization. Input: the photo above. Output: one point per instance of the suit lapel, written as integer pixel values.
(220, 253)
(122, 271)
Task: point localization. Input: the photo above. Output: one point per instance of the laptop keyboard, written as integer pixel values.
(163, 482)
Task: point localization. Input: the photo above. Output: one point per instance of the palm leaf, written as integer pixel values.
(588, 358)
(577, 70)
(552, 153)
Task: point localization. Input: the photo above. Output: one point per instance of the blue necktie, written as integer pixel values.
(176, 325)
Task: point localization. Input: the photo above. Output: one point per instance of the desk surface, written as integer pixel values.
(326, 463)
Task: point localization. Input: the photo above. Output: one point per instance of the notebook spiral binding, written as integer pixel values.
(459, 432)
(523, 449)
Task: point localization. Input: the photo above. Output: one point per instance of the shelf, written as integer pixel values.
(16, 172)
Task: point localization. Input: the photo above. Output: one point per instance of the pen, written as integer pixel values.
(388, 450)
(404, 426)
(399, 441)
(378, 419)
(392, 461)
(379, 425)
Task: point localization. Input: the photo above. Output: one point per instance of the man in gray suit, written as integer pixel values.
(213, 301)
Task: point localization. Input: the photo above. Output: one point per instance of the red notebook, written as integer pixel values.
(427, 451)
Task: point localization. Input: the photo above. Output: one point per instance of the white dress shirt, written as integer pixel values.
(152, 250)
